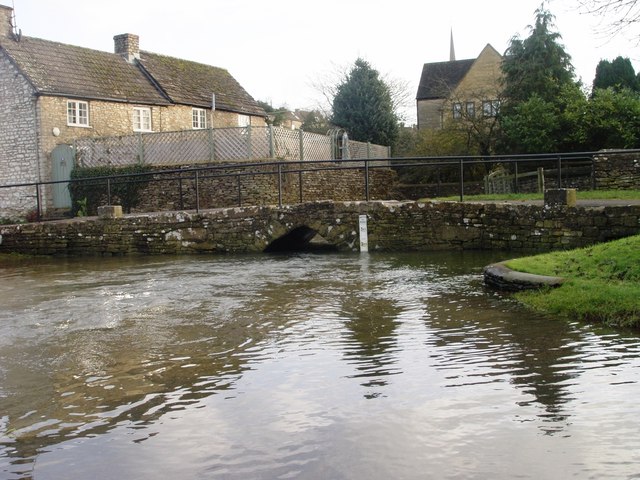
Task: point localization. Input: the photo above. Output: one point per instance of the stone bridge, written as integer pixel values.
(392, 226)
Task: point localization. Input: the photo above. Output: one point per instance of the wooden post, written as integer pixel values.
(540, 180)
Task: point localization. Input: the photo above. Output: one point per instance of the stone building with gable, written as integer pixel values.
(52, 93)
(459, 89)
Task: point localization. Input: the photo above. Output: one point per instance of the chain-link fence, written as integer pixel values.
(215, 145)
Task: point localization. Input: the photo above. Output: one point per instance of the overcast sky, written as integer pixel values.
(278, 49)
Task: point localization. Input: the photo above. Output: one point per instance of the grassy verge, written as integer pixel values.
(603, 282)
(582, 195)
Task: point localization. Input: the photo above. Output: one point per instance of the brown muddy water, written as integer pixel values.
(381, 366)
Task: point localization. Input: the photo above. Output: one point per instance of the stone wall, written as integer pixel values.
(18, 141)
(238, 187)
(619, 171)
(392, 226)
(435, 190)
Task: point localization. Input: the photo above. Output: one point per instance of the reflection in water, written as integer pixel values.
(369, 341)
(536, 355)
(337, 366)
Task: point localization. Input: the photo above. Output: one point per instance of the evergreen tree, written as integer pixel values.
(611, 120)
(537, 65)
(538, 86)
(274, 116)
(363, 106)
(618, 74)
(315, 122)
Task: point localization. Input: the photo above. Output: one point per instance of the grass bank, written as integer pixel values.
(582, 195)
(603, 282)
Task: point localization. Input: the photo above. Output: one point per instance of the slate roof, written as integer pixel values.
(58, 69)
(440, 78)
(191, 83)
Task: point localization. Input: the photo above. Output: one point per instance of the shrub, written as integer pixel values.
(89, 187)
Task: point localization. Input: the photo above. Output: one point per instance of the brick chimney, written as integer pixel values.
(127, 45)
(6, 23)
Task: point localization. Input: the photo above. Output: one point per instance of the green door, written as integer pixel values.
(62, 163)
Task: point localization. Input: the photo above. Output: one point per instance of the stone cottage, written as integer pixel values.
(52, 93)
(459, 89)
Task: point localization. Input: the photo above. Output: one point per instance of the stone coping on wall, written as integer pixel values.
(501, 277)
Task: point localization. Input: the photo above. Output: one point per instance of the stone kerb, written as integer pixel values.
(501, 277)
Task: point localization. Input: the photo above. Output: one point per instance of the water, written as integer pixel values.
(303, 366)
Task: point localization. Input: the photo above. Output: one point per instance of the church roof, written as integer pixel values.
(439, 79)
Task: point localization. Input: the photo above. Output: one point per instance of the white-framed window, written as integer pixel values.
(141, 119)
(457, 111)
(77, 113)
(244, 121)
(490, 108)
(199, 116)
(471, 109)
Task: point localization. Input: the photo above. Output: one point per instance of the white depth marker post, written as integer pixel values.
(364, 236)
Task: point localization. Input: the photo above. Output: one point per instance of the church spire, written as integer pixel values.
(452, 50)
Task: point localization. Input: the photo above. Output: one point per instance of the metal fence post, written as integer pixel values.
(180, 192)
(279, 184)
(38, 208)
(559, 172)
(516, 179)
(108, 191)
(461, 180)
(249, 143)
(239, 190)
(366, 179)
(197, 193)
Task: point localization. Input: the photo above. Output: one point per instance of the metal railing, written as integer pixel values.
(558, 162)
(561, 163)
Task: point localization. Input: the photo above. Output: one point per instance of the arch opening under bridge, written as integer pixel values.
(301, 239)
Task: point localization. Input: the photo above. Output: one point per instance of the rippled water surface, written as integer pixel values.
(305, 366)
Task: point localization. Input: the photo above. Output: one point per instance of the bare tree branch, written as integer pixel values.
(617, 15)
